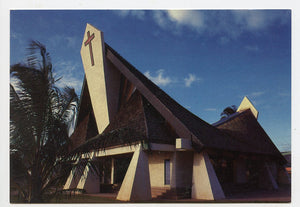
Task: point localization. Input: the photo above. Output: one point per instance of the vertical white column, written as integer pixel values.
(174, 171)
(112, 171)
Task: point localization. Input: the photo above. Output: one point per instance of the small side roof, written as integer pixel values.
(244, 127)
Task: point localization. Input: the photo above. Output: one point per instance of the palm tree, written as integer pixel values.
(228, 111)
(39, 117)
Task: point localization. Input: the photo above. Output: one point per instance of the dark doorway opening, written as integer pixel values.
(121, 165)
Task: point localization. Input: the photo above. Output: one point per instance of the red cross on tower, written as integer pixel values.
(89, 42)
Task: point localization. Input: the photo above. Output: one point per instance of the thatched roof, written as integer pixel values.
(116, 137)
(241, 133)
(207, 136)
(245, 128)
(79, 135)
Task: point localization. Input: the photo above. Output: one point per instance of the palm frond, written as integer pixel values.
(39, 116)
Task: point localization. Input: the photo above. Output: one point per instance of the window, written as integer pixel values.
(167, 172)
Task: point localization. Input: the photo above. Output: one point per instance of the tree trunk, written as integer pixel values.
(36, 188)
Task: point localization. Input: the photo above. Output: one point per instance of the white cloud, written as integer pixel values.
(123, 13)
(192, 19)
(252, 48)
(284, 94)
(59, 39)
(70, 81)
(225, 25)
(17, 36)
(159, 79)
(250, 19)
(65, 66)
(253, 20)
(71, 42)
(160, 18)
(257, 93)
(177, 19)
(210, 109)
(163, 80)
(140, 14)
(224, 40)
(190, 79)
(66, 70)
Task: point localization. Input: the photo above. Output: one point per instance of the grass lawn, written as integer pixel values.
(81, 198)
(282, 195)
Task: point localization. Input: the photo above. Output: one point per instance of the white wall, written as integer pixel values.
(156, 167)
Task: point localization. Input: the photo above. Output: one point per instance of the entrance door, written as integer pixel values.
(167, 172)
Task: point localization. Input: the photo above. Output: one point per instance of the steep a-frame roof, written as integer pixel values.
(180, 121)
(186, 124)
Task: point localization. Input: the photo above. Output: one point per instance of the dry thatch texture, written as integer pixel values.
(122, 136)
(244, 128)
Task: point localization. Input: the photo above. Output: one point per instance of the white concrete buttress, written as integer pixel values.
(136, 183)
(89, 181)
(73, 179)
(205, 184)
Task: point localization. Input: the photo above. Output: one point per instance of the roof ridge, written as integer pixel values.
(229, 118)
(203, 132)
(157, 91)
(160, 91)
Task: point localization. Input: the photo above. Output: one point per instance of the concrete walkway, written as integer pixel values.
(104, 195)
(283, 195)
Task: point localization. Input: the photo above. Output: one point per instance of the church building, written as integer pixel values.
(148, 146)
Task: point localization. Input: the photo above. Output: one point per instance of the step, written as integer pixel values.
(158, 191)
(169, 194)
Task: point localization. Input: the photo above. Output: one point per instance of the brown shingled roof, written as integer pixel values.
(158, 129)
(208, 135)
(130, 115)
(137, 120)
(79, 135)
(242, 133)
(139, 115)
(245, 128)
(85, 127)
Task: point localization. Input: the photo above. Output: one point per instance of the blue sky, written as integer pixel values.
(205, 59)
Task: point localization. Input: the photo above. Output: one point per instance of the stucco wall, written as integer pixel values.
(156, 167)
(180, 173)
